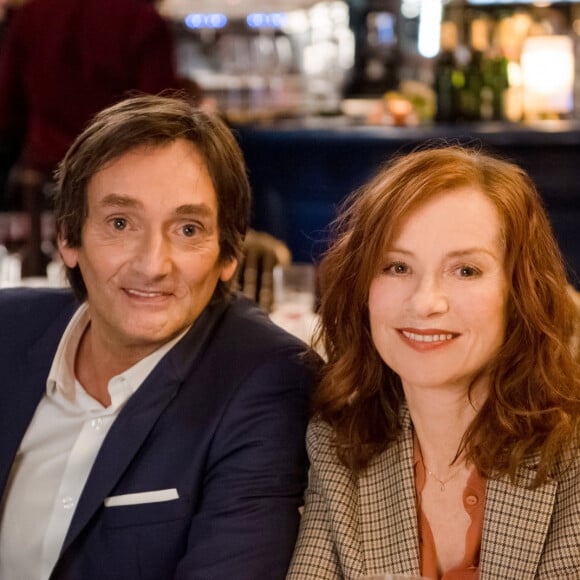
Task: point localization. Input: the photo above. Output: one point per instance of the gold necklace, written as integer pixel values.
(442, 482)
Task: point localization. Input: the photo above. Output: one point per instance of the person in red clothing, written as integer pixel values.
(61, 62)
(65, 60)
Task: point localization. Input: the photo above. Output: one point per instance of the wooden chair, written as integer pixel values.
(262, 252)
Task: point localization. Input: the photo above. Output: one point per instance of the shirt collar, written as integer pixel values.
(62, 372)
(61, 378)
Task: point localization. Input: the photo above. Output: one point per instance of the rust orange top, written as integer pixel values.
(473, 502)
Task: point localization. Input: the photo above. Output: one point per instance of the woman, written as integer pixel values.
(445, 434)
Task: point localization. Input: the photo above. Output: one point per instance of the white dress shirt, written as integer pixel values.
(56, 456)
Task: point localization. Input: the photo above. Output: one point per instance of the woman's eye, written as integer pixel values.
(468, 271)
(397, 268)
(119, 223)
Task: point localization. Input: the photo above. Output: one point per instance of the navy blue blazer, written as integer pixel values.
(221, 418)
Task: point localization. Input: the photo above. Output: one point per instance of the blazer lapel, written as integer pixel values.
(139, 416)
(515, 525)
(388, 509)
(120, 446)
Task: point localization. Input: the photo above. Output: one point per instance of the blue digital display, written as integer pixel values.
(265, 20)
(196, 21)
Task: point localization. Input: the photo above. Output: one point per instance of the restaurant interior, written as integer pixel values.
(321, 92)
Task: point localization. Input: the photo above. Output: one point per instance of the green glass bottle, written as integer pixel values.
(448, 76)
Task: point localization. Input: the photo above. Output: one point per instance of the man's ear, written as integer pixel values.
(228, 269)
(69, 255)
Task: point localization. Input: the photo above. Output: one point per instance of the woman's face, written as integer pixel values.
(437, 306)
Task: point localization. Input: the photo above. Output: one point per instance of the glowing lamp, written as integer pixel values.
(548, 75)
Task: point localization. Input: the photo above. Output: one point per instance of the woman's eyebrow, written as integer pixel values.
(471, 251)
(454, 254)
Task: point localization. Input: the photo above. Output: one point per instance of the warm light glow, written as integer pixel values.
(399, 109)
(429, 28)
(548, 74)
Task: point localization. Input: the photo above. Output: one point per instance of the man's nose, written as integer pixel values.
(153, 256)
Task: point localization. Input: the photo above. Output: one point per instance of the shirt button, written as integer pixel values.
(67, 502)
(97, 424)
(471, 500)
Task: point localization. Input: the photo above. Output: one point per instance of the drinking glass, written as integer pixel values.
(294, 299)
(294, 286)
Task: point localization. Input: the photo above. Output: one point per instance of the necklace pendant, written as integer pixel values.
(442, 482)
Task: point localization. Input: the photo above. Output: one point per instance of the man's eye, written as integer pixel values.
(119, 223)
(189, 230)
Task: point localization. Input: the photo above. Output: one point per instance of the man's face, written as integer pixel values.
(150, 250)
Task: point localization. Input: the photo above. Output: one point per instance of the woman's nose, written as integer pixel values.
(429, 297)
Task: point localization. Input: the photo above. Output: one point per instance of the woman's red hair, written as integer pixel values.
(534, 399)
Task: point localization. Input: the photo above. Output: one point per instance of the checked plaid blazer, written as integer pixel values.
(367, 525)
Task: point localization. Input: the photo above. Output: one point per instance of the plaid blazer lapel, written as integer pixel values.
(515, 526)
(388, 509)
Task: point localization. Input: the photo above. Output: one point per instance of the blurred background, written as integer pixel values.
(320, 93)
(479, 59)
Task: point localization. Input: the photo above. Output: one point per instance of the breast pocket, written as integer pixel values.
(149, 539)
(142, 514)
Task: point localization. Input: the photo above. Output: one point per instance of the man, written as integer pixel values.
(155, 430)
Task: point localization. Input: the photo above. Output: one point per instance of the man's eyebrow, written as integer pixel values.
(118, 200)
(200, 209)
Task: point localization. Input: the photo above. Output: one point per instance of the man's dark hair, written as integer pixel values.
(152, 121)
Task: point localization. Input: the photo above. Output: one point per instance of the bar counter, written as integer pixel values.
(300, 171)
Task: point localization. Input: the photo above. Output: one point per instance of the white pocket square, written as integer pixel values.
(142, 497)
